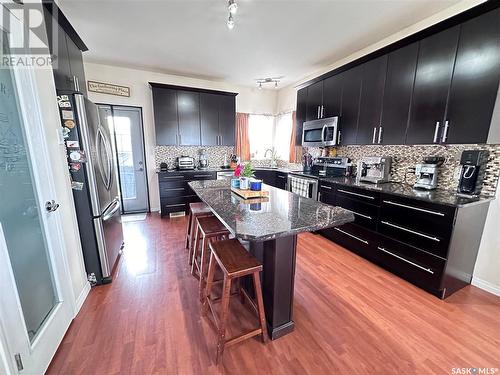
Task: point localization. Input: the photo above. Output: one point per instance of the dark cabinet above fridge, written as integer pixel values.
(438, 86)
(187, 116)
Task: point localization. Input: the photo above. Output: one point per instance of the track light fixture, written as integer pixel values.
(230, 22)
(232, 7)
(272, 80)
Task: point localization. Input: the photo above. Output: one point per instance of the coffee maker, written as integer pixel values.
(427, 173)
(473, 165)
(374, 169)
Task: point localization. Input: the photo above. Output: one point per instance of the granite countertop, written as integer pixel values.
(283, 214)
(439, 196)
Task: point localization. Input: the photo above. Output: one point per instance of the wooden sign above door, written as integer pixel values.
(108, 88)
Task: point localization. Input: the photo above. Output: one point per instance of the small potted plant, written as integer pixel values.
(235, 182)
(245, 173)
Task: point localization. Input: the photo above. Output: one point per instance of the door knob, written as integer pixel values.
(51, 206)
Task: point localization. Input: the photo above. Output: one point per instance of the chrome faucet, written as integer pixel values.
(274, 159)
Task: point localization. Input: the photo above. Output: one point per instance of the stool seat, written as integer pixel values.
(199, 208)
(234, 259)
(210, 225)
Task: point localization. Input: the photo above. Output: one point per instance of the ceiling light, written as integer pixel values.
(232, 6)
(271, 80)
(230, 22)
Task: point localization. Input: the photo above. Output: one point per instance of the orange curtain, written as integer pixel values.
(242, 142)
(293, 149)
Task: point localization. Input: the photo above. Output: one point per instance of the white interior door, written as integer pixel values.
(36, 304)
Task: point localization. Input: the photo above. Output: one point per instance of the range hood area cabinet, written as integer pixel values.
(436, 87)
(186, 116)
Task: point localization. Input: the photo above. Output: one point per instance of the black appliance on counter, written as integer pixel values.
(325, 166)
(94, 181)
(473, 164)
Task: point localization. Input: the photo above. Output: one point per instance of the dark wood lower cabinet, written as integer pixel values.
(433, 246)
(175, 193)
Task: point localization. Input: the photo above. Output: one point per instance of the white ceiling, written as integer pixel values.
(271, 38)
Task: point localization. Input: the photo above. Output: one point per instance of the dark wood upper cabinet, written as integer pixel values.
(435, 63)
(300, 114)
(401, 66)
(188, 108)
(372, 95)
(332, 96)
(314, 101)
(166, 119)
(475, 80)
(351, 93)
(76, 66)
(227, 120)
(193, 117)
(209, 119)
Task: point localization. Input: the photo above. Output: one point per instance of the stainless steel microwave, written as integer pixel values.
(320, 133)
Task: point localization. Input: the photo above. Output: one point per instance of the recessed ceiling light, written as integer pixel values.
(232, 6)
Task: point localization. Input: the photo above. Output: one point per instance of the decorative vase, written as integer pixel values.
(255, 184)
(244, 183)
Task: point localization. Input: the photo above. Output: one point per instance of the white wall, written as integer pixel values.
(250, 100)
(287, 96)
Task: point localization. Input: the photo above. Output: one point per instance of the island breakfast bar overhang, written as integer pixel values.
(268, 228)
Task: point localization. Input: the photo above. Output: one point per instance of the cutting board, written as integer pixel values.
(249, 194)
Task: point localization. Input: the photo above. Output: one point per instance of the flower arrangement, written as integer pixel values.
(244, 170)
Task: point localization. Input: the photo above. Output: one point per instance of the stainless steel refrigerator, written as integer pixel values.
(94, 180)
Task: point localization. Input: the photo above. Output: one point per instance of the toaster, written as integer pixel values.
(184, 162)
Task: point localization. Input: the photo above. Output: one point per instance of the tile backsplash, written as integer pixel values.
(405, 157)
(167, 154)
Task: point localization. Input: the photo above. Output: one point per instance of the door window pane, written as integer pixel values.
(20, 214)
(125, 156)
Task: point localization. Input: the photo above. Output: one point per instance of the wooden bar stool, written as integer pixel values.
(196, 209)
(235, 262)
(208, 228)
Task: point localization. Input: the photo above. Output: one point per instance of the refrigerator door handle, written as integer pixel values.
(84, 130)
(110, 212)
(105, 174)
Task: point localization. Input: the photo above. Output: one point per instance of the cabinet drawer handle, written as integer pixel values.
(357, 194)
(281, 177)
(175, 205)
(362, 215)
(202, 175)
(351, 235)
(406, 260)
(415, 208)
(411, 231)
(326, 187)
(172, 189)
(172, 177)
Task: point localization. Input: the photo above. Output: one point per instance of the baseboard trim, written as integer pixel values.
(82, 297)
(486, 285)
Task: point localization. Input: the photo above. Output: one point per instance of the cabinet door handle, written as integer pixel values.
(357, 194)
(411, 231)
(338, 141)
(351, 235)
(406, 260)
(322, 111)
(281, 177)
(380, 134)
(319, 109)
(445, 131)
(326, 187)
(436, 132)
(374, 134)
(175, 205)
(414, 208)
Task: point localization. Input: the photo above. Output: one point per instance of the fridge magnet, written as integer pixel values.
(75, 167)
(75, 185)
(72, 144)
(63, 101)
(70, 124)
(67, 115)
(78, 156)
(65, 132)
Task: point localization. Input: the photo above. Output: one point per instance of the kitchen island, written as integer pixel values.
(268, 228)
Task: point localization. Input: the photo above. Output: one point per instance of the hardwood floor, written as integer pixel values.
(351, 317)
